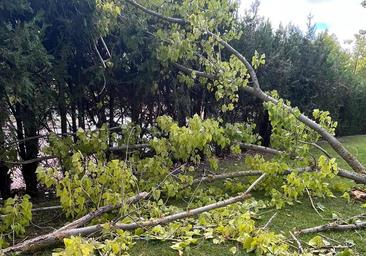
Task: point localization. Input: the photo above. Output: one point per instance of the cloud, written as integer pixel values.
(318, 1)
(343, 18)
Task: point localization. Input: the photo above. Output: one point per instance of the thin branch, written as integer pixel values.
(301, 250)
(99, 56)
(318, 147)
(41, 209)
(47, 208)
(156, 14)
(187, 70)
(249, 173)
(212, 178)
(105, 47)
(257, 148)
(5, 144)
(312, 203)
(121, 148)
(270, 221)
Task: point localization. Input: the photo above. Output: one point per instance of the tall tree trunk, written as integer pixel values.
(62, 107)
(81, 113)
(32, 148)
(73, 120)
(135, 111)
(264, 128)
(5, 180)
(26, 121)
(111, 107)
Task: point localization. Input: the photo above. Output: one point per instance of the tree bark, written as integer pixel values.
(62, 107)
(28, 149)
(333, 226)
(5, 181)
(32, 148)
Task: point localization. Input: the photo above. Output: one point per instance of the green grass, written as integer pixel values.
(355, 144)
(300, 215)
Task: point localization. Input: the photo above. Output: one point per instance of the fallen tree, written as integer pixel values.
(254, 90)
(185, 144)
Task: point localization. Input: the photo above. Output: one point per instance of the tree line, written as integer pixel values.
(66, 65)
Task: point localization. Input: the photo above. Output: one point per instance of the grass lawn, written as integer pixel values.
(299, 215)
(355, 144)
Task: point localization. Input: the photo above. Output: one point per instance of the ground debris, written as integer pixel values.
(358, 195)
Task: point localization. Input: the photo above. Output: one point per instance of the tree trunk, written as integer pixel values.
(81, 113)
(5, 181)
(32, 148)
(73, 121)
(62, 108)
(28, 149)
(265, 128)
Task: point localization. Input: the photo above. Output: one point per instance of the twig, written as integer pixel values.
(105, 47)
(330, 239)
(301, 250)
(99, 56)
(312, 203)
(270, 220)
(317, 146)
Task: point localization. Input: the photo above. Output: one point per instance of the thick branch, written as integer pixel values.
(53, 238)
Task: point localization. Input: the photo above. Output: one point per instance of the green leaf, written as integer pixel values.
(233, 250)
(317, 241)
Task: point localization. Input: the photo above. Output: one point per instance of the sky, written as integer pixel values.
(344, 18)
